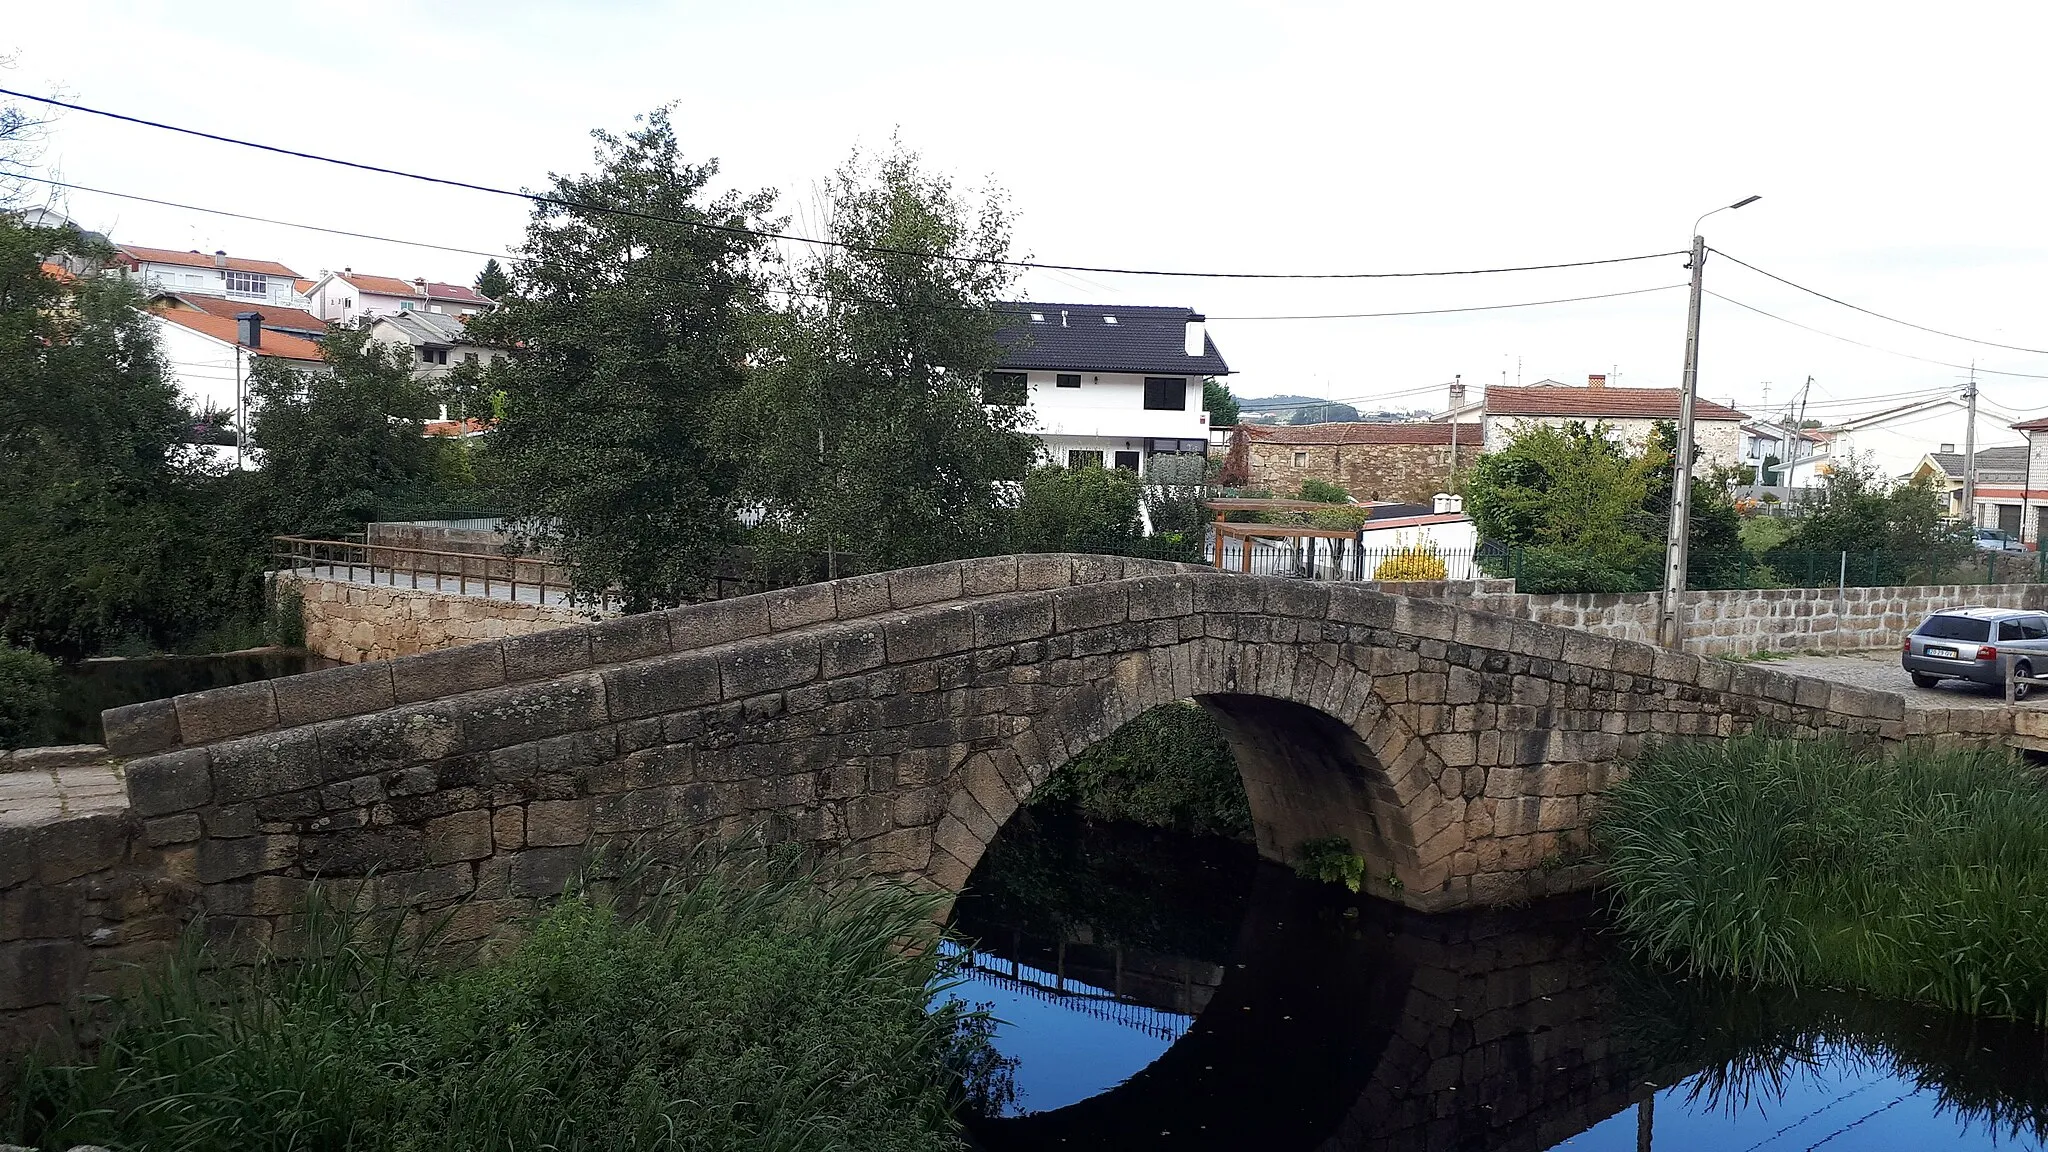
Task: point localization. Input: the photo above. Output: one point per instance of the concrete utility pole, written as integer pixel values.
(1457, 402)
(1970, 451)
(1671, 622)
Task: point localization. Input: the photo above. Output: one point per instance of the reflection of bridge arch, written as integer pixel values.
(1467, 1031)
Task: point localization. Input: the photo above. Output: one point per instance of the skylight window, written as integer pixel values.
(1038, 317)
(1109, 319)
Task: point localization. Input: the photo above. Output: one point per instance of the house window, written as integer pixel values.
(1007, 388)
(1166, 393)
(1128, 461)
(248, 284)
(1068, 380)
(1083, 458)
(433, 355)
(1301, 459)
(405, 305)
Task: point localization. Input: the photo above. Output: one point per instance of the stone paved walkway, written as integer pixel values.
(41, 795)
(1880, 670)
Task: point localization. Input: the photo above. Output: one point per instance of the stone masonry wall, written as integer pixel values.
(1743, 622)
(354, 623)
(1406, 472)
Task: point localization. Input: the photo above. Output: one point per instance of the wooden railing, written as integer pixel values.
(465, 573)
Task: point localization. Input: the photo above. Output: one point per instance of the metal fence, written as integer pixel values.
(1314, 558)
(528, 578)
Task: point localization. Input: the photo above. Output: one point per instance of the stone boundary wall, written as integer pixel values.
(199, 718)
(356, 623)
(50, 757)
(1747, 621)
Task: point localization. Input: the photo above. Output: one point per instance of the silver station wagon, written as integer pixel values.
(1975, 644)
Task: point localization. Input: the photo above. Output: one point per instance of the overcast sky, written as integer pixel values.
(1895, 148)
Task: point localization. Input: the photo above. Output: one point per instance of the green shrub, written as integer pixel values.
(1322, 491)
(1917, 875)
(755, 1007)
(1169, 768)
(1330, 860)
(27, 681)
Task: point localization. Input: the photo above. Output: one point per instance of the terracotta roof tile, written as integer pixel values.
(382, 285)
(203, 260)
(295, 319)
(1364, 432)
(282, 345)
(456, 292)
(1615, 403)
(57, 272)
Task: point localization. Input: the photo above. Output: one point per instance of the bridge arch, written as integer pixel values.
(1319, 751)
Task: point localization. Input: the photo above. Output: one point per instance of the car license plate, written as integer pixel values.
(1936, 650)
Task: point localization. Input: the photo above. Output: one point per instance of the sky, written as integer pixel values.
(1895, 148)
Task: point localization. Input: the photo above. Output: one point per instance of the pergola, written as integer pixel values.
(1302, 536)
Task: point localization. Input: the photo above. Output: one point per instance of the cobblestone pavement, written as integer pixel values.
(41, 795)
(1880, 670)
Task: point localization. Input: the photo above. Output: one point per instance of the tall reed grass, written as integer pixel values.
(753, 1006)
(1917, 875)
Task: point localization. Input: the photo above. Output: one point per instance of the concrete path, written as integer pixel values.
(426, 582)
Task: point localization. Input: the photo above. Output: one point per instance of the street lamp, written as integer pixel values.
(1671, 621)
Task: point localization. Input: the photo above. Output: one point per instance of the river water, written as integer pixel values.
(87, 688)
(1159, 991)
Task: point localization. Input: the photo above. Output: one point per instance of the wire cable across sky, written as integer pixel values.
(765, 234)
(1878, 315)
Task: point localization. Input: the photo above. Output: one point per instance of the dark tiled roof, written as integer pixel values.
(2011, 461)
(1081, 338)
(1618, 403)
(1364, 432)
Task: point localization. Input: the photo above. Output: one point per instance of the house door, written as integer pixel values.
(2009, 520)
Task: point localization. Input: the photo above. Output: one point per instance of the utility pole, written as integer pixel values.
(1671, 624)
(1970, 450)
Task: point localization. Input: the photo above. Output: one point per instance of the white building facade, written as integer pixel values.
(346, 296)
(1108, 385)
(210, 274)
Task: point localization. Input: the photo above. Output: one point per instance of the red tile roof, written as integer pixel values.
(1616, 403)
(1363, 432)
(393, 286)
(303, 286)
(57, 272)
(281, 345)
(273, 316)
(2040, 425)
(468, 426)
(140, 255)
(457, 293)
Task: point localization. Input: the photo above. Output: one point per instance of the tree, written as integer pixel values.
(1891, 530)
(1324, 414)
(111, 529)
(493, 281)
(1218, 402)
(1715, 554)
(1077, 510)
(1572, 501)
(866, 430)
(639, 307)
(335, 444)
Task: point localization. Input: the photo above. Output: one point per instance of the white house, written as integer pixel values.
(2000, 495)
(1896, 440)
(1110, 385)
(210, 358)
(200, 274)
(439, 343)
(345, 296)
(1629, 413)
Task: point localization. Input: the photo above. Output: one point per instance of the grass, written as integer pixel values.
(754, 1006)
(1917, 875)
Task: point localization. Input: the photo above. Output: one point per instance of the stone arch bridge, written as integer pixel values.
(900, 717)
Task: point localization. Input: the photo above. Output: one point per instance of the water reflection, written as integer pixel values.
(1307, 1019)
(92, 686)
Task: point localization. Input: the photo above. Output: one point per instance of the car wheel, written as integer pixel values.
(1923, 680)
(2019, 691)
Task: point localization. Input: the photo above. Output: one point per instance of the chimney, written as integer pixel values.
(1597, 380)
(1198, 334)
(1458, 393)
(1063, 317)
(249, 329)
(220, 258)
(419, 284)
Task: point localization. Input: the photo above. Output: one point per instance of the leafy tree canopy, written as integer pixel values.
(1219, 403)
(865, 429)
(630, 331)
(1077, 509)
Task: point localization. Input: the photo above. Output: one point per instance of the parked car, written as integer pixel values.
(1997, 540)
(1974, 644)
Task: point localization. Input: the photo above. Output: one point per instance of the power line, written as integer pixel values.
(1880, 315)
(764, 234)
(1872, 347)
(788, 291)
(1444, 311)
